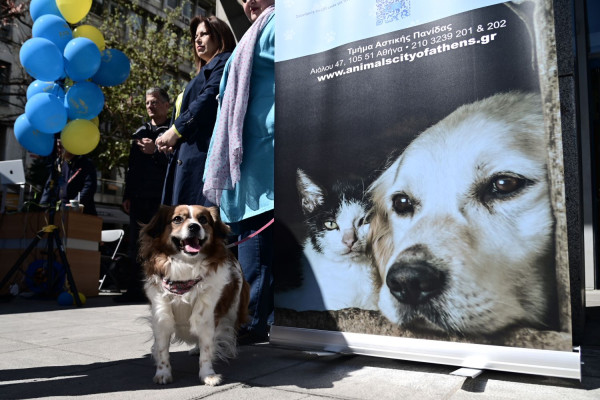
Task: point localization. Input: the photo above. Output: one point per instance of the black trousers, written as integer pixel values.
(141, 210)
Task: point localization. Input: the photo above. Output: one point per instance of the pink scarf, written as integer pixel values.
(225, 155)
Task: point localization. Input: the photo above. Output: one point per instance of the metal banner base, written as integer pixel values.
(562, 364)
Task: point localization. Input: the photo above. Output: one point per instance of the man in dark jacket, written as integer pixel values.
(144, 180)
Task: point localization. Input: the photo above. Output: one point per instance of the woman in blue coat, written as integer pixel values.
(189, 136)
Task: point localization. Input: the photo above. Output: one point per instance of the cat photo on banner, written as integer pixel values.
(336, 271)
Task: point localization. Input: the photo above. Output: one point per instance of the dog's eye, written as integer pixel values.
(503, 187)
(402, 204)
(203, 220)
(330, 225)
(177, 220)
(507, 184)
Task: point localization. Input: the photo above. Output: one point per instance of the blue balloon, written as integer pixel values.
(53, 28)
(42, 59)
(84, 100)
(82, 59)
(32, 139)
(41, 277)
(65, 299)
(114, 68)
(38, 86)
(37, 8)
(46, 113)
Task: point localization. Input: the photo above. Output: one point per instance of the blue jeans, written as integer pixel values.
(256, 258)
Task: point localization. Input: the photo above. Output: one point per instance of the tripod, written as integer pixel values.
(53, 239)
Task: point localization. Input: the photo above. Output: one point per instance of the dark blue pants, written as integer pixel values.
(256, 257)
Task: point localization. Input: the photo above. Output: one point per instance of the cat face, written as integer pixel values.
(335, 219)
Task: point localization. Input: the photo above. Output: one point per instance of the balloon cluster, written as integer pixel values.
(54, 53)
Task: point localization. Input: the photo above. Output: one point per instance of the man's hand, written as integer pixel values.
(146, 145)
(167, 140)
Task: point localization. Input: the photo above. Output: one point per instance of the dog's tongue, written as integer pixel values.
(192, 245)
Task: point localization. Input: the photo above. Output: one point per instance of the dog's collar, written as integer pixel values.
(179, 287)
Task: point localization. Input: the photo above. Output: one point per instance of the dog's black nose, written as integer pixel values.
(415, 282)
(194, 228)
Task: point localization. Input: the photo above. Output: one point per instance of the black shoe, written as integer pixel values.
(246, 338)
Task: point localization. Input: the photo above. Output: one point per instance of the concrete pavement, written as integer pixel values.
(101, 351)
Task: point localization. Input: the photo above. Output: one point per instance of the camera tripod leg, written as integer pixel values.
(63, 256)
(32, 245)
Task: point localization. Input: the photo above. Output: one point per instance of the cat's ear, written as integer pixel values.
(311, 195)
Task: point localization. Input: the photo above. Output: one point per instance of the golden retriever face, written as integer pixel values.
(462, 227)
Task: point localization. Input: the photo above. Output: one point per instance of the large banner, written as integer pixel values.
(419, 178)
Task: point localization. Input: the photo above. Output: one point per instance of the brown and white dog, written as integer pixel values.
(195, 286)
(462, 232)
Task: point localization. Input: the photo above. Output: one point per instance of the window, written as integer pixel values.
(6, 32)
(151, 26)
(203, 7)
(188, 9)
(115, 9)
(201, 11)
(3, 142)
(97, 7)
(172, 3)
(4, 82)
(168, 80)
(135, 25)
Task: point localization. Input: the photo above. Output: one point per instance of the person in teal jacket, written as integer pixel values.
(244, 137)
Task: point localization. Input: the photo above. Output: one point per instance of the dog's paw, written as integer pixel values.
(195, 351)
(212, 380)
(163, 377)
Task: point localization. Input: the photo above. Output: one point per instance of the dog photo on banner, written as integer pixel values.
(419, 184)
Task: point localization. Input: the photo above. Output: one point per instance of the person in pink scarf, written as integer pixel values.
(239, 171)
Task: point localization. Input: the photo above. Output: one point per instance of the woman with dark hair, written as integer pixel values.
(193, 120)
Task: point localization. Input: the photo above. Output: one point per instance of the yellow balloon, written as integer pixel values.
(82, 298)
(92, 33)
(74, 10)
(80, 136)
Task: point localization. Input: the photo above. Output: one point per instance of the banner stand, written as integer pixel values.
(520, 360)
(408, 150)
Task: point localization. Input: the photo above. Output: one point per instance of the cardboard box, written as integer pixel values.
(72, 224)
(85, 266)
(79, 233)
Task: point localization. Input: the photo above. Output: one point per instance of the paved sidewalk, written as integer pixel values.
(101, 351)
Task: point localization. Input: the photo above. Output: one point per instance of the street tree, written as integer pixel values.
(158, 47)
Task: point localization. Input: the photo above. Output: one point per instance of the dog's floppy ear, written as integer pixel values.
(221, 229)
(149, 238)
(380, 245)
(158, 223)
